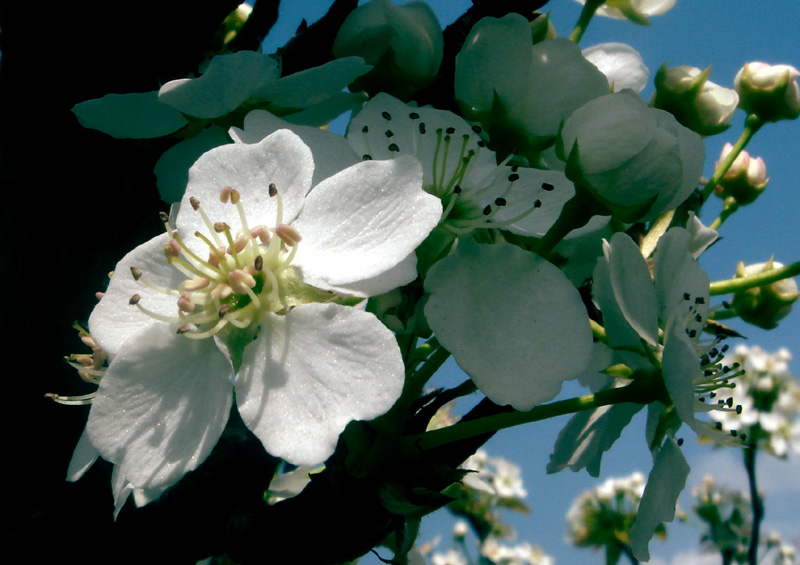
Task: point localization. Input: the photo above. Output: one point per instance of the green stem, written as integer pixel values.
(726, 314)
(729, 207)
(753, 281)
(463, 430)
(587, 13)
(751, 125)
(755, 501)
(598, 332)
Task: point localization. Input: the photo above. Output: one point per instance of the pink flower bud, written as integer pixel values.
(745, 180)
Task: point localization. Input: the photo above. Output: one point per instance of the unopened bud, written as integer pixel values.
(696, 102)
(745, 180)
(404, 44)
(764, 306)
(769, 91)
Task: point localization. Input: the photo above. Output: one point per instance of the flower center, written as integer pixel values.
(246, 275)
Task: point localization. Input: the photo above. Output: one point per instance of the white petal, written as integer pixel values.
(121, 489)
(364, 221)
(172, 168)
(633, 288)
(681, 285)
(401, 274)
(702, 236)
(511, 319)
(114, 320)
(331, 152)
(310, 373)
(621, 63)
(311, 86)
(664, 485)
(494, 61)
(281, 158)
(228, 82)
(386, 128)
(161, 406)
(138, 115)
(550, 188)
(621, 335)
(588, 435)
(82, 458)
(543, 108)
(681, 367)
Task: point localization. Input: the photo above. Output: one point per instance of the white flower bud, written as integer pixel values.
(696, 102)
(765, 306)
(769, 91)
(403, 43)
(636, 161)
(633, 10)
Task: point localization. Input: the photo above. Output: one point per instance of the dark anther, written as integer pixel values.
(480, 143)
(487, 210)
(366, 157)
(388, 133)
(386, 115)
(413, 116)
(512, 177)
(394, 147)
(477, 129)
(680, 441)
(500, 201)
(718, 425)
(273, 190)
(514, 168)
(450, 130)
(537, 203)
(700, 300)
(547, 186)
(422, 129)
(365, 129)
(687, 296)
(457, 189)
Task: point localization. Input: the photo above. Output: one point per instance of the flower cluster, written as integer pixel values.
(601, 518)
(770, 399)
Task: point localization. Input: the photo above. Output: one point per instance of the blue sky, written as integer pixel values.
(725, 34)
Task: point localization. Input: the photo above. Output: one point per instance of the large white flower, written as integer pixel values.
(223, 303)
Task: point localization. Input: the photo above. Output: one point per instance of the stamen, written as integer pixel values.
(288, 234)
